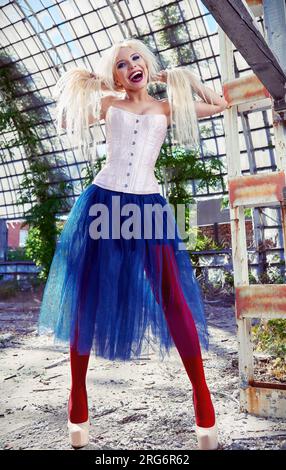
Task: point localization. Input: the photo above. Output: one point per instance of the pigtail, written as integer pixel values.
(78, 94)
(181, 85)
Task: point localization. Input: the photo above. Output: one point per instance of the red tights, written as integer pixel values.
(78, 405)
(183, 331)
(185, 337)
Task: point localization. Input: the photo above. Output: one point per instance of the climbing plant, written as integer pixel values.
(178, 166)
(43, 190)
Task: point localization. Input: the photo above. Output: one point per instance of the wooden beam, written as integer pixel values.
(254, 106)
(264, 400)
(244, 89)
(234, 17)
(259, 190)
(261, 301)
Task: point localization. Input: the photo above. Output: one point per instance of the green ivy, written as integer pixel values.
(43, 186)
(177, 166)
(270, 335)
(90, 171)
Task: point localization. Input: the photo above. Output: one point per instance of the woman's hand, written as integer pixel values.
(104, 87)
(160, 76)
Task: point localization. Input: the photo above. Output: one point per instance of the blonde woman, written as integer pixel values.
(110, 284)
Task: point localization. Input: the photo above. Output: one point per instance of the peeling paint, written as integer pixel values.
(261, 301)
(243, 89)
(263, 401)
(266, 301)
(254, 2)
(256, 190)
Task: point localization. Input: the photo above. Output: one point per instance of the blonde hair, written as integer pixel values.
(78, 93)
(181, 86)
(106, 64)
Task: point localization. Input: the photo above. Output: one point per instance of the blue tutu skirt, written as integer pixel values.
(114, 275)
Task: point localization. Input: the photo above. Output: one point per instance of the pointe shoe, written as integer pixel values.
(207, 437)
(79, 433)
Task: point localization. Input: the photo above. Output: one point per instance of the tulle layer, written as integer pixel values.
(112, 292)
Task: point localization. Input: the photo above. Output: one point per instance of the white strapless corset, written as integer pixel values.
(133, 143)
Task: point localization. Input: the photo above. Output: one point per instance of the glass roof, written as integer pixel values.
(41, 39)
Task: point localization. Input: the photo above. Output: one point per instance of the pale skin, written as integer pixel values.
(137, 98)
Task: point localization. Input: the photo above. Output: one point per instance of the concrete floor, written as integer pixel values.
(143, 404)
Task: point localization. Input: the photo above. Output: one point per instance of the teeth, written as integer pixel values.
(134, 74)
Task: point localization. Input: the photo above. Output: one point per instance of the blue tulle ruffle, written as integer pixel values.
(108, 293)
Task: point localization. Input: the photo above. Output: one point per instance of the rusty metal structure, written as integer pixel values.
(240, 29)
(41, 39)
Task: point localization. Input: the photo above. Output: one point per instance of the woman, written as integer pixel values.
(110, 288)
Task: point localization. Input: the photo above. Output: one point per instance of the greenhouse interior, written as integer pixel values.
(116, 108)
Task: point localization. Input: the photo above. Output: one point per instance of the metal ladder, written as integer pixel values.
(258, 190)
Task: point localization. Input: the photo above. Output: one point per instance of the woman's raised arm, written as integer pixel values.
(211, 103)
(105, 103)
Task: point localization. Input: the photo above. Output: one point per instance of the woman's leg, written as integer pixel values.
(183, 331)
(78, 402)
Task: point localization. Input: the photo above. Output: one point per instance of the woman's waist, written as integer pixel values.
(118, 164)
(127, 179)
(123, 169)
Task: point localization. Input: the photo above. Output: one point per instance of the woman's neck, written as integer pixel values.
(138, 96)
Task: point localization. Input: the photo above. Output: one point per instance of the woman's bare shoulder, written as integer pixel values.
(166, 104)
(166, 109)
(107, 101)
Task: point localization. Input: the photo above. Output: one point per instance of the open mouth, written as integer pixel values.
(136, 76)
